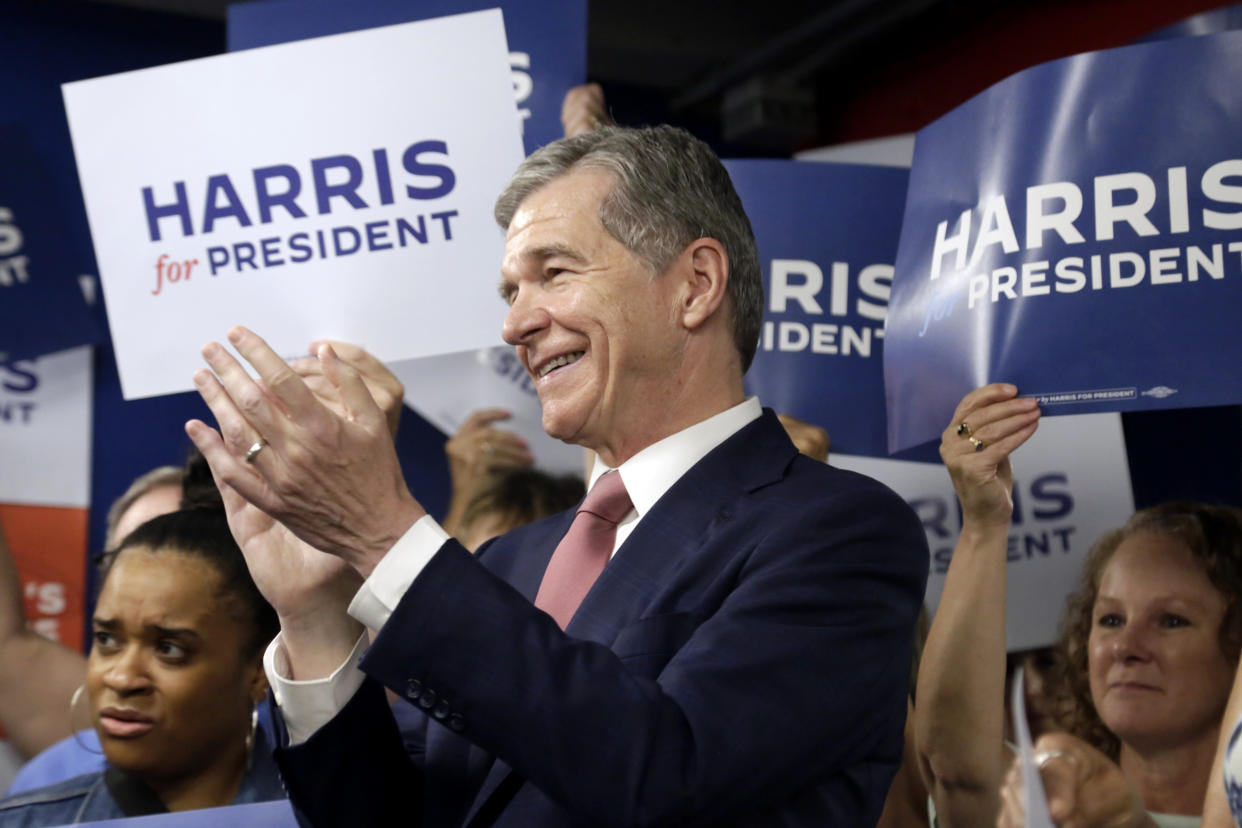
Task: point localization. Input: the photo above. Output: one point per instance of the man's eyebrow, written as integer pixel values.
(547, 251)
(550, 250)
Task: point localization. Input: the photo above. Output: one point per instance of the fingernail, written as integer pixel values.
(200, 377)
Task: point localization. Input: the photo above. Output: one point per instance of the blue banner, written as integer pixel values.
(275, 814)
(42, 308)
(827, 235)
(1076, 230)
(547, 42)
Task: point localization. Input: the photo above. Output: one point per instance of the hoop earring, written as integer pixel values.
(73, 730)
(254, 725)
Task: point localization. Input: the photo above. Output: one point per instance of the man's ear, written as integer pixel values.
(707, 281)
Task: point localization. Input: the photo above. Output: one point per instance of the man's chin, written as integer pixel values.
(560, 428)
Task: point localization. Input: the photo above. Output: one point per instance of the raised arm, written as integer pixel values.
(40, 675)
(959, 713)
(476, 454)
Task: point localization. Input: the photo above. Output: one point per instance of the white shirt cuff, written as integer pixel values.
(309, 705)
(392, 576)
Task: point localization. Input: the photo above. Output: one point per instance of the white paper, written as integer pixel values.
(431, 103)
(446, 389)
(1034, 800)
(45, 430)
(1071, 484)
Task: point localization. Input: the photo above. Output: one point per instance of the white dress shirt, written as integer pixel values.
(308, 705)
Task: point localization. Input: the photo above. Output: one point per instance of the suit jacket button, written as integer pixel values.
(441, 711)
(427, 700)
(413, 688)
(457, 723)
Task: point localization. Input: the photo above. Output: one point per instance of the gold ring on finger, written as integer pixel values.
(963, 429)
(977, 443)
(256, 447)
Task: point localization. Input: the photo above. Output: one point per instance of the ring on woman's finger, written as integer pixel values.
(256, 447)
(963, 429)
(977, 443)
(1043, 757)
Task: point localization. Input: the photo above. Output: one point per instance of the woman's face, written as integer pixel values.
(171, 692)
(1158, 676)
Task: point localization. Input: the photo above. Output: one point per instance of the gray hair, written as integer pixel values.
(157, 478)
(670, 190)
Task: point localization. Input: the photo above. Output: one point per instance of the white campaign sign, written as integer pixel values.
(446, 389)
(1071, 484)
(335, 187)
(45, 430)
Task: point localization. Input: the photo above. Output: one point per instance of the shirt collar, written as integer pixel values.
(653, 471)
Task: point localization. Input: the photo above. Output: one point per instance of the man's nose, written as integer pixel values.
(527, 315)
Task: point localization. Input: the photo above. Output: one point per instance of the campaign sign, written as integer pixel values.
(275, 814)
(446, 389)
(42, 308)
(45, 426)
(1071, 485)
(336, 187)
(1061, 235)
(827, 237)
(547, 41)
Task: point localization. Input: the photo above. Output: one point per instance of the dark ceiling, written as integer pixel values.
(774, 76)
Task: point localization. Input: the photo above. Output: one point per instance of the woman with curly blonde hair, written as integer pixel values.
(1150, 643)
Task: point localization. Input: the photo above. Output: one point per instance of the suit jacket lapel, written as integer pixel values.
(678, 525)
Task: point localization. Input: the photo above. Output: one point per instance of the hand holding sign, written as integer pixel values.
(987, 426)
(476, 454)
(333, 480)
(1084, 788)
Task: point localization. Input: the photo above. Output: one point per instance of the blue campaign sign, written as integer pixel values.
(42, 308)
(1077, 230)
(277, 814)
(827, 235)
(547, 42)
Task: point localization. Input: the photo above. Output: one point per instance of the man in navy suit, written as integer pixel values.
(742, 658)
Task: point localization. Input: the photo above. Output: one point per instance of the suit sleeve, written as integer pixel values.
(355, 770)
(799, 674)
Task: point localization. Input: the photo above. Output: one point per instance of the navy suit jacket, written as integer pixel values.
(743, 659)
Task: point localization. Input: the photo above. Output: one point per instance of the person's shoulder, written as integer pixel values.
(823, 481)
(70, 757)
(68, 790)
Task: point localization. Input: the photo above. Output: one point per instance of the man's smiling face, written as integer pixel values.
(596, 329)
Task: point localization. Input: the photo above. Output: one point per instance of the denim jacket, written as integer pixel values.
(86, 798)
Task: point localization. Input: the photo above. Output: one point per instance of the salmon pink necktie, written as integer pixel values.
(581, 555)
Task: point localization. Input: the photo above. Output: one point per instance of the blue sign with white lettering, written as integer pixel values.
(42, 308)
(547, 42)
(1076, 230)
(827, 235)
